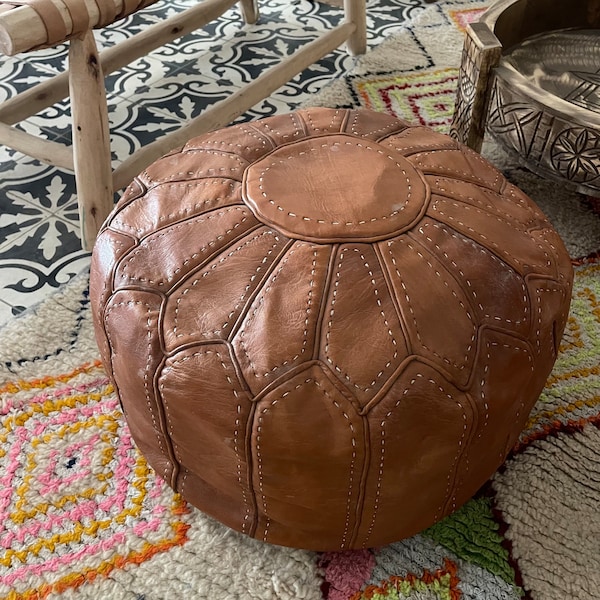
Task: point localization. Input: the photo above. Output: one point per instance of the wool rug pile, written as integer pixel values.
(83, 516)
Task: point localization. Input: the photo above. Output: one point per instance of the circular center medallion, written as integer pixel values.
(336, 188)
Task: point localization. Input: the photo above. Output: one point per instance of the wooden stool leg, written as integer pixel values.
(355, 11)
(249, 10)
(91, 138)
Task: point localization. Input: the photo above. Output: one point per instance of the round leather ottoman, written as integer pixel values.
(327, 328)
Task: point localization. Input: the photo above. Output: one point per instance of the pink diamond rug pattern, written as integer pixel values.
(77, 500)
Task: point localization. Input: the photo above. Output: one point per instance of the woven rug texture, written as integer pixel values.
(83, 516)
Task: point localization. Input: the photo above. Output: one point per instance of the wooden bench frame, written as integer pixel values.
(21, 29)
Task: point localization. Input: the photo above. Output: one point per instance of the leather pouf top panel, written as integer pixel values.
(327, 328)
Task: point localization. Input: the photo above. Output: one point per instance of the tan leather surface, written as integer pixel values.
(327, 328)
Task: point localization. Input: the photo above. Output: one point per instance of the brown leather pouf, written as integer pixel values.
(327, 328)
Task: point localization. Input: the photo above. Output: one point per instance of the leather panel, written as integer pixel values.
(131, 324)
(523, 253)
(207, 412)
(486, 279)
(277, 314)
(412, 471)
(178, 247)
(156, 209)
(207, 304)
(423, 286)
(297, 495)
(357, 317)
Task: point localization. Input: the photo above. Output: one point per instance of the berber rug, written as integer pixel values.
(83, 516)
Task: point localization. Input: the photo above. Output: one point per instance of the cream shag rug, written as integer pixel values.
(84, 517)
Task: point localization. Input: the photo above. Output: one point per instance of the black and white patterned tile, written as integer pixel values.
(39, 229)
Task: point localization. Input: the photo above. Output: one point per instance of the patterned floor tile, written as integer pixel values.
(39, 220)
(25, 283)
(137, 123)
(17, 76)
(129, 81)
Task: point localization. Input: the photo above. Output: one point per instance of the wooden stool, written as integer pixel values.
(32, 24)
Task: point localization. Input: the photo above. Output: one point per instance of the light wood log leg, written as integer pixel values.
(91, 139)
(249, 10)
(481, 53)
(355, 11)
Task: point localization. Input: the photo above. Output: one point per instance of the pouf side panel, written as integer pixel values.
(207, 411)
(374, 125)
(279, 327)
(359, 316)
(435, 309)
(547, 237)
(492, 232)
(458, 165)
(416, 139)
(497, 292)
(110, 246)
(135, 356)
(406, 460)
(550, 303)
(168, 203)
(243, 140)
(170, 253)
(308, 461)
(207, 304)
(317, 121)
(194, 164)
(281, 129)
(506, 207)
(503, 389)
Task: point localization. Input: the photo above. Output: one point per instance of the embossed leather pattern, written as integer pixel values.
(327, 328)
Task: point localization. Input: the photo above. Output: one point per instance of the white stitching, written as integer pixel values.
(184, 291)
(155, 424)
(169, 231)
(236, 426)
(483, 250)
(481, 236)
(381, 312)
(414, 318)
(260, 301)
(406, 195)
(352, 463)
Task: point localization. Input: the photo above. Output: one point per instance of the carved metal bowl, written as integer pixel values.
(530, 76)
(545, 105)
